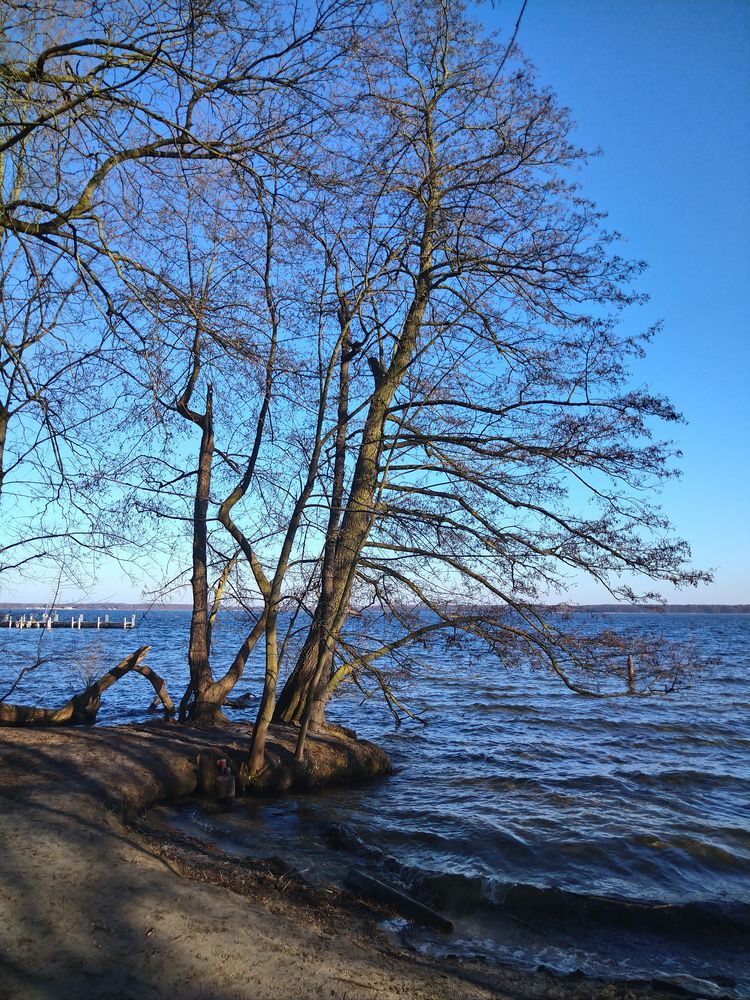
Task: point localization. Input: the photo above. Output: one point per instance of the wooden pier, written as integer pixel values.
(49, 621)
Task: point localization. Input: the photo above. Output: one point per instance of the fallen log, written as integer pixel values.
(82, 708)
(373, 888)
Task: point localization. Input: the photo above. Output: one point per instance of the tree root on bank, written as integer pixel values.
(82, 708)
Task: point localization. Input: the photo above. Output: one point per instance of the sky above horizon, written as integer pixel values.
(661, 86)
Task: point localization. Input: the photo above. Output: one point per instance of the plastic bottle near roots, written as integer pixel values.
(225, 783)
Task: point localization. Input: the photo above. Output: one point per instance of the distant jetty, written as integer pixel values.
(50, 621)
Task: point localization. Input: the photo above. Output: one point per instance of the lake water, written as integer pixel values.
(610, 836)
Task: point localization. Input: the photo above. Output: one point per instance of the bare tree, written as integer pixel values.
(498, 409)
(373, 331)
(109, 114)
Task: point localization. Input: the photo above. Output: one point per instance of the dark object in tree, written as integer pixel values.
(377, 369)
(83, 707)
(373, 888)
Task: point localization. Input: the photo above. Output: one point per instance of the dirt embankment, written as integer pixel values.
(131, 767)
(93, 906)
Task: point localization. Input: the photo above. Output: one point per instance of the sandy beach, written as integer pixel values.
(96, 902)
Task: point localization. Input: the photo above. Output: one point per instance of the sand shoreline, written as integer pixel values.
(97, 902)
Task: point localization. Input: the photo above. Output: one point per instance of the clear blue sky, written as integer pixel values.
(663, 87)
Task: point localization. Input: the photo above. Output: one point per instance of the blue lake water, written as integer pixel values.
(611, 836)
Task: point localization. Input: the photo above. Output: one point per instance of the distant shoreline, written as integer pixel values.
(669, 609)
(620, 609)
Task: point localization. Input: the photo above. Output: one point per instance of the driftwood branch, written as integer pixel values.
(82, 708)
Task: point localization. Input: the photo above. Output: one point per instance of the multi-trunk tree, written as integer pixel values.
(116, 117)
(373, 330)
(497, 443)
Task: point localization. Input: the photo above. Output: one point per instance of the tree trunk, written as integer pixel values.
(306, 691)
(3, 437)
(265, 712)
(291, 702)
(205, 709)
(209, 712)
(295, 696)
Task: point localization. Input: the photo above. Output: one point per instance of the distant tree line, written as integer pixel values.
(667, 609)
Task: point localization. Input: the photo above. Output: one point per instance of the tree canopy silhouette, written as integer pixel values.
(370, 329)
